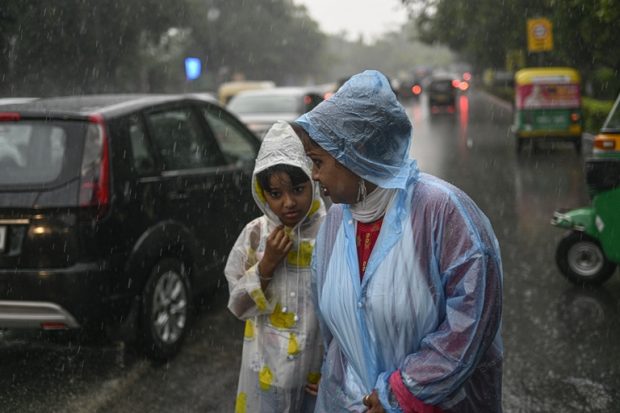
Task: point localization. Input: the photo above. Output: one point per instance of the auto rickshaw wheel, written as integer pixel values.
(581, 259)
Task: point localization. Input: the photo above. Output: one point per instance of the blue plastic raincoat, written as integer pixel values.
(423, 324)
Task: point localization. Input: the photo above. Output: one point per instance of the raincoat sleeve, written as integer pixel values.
(465, 269)
(246, 297)
(323, 248)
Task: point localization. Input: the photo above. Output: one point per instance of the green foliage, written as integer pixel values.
(594, 113)
(89, 46)
(485, 32)
(268, 39)
(605, 83)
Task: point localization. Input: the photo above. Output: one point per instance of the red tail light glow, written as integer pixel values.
(463, 86)
(467, 76)
(455, 83)
(9, 116)
(95, 186)
(416, 89)
(53, 325)
(307, 100)
(604, 144)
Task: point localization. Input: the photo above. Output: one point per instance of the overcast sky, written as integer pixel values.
(369, 17)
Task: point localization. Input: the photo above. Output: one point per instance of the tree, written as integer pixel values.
(268, 39)
(85, 46)
(486, 31)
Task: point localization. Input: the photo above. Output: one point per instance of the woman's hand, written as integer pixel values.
(372, 402)
(312, 389)
(277, 247)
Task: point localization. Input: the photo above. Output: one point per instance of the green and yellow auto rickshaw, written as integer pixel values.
(590, 252)
(607, 143)
(547, 106)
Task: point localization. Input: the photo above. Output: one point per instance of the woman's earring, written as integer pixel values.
(361, 192)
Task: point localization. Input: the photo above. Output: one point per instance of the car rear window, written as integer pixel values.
(441, 86)
(264, 104)
(33, 152)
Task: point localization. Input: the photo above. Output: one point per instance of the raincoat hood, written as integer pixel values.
(281, 145)
(365, 128)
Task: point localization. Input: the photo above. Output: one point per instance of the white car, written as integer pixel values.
(259, 109)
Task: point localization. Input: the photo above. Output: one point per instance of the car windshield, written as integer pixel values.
(264, 104)
(31, 153)
(612, 124)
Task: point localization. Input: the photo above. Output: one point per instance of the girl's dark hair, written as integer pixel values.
(295, 174)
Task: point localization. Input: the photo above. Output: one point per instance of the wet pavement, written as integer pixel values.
(562, 343)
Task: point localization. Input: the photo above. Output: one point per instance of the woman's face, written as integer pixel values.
(336, 180)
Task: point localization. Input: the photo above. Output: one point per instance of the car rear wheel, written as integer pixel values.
(165, 309)
(581, 259)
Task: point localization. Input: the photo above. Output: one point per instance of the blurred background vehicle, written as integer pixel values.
(227, 90)
(547, 106)
(117, 212)
(442, 90)
(607, 142)
(259, 109)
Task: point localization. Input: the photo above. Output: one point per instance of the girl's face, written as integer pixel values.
(336, 180)
(290, 203)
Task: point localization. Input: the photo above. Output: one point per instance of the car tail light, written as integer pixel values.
(9, 116)
(604, 144)
(95, 174)
(307, 100)
(463, 86)
(53, 325)
(416, 89)
(467, 76)
(327, 95)
(455, 83)
(575, 117)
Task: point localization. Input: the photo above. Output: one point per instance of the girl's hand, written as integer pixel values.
(277, 247)
(372, 402)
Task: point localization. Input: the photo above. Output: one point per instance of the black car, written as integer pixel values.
(118, 210)
(442, 94)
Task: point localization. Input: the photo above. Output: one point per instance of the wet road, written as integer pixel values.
(562, 344)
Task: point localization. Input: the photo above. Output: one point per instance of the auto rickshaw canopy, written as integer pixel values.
(557, 75)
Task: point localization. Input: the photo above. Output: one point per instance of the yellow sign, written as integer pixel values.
(539, 35)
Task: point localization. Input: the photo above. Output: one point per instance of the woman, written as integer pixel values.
(407, 273)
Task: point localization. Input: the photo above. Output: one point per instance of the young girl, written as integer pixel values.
(268, 273)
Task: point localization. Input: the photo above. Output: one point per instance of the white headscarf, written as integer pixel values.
(374, 205)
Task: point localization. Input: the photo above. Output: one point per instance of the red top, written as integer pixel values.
(365, 239)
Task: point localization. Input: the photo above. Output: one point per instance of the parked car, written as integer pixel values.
(228, 90)
(124, 209)
(259, 109)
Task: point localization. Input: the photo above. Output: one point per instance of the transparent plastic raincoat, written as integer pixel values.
(282, 349)
(422, 327)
